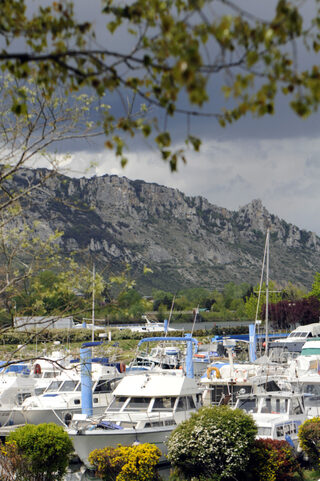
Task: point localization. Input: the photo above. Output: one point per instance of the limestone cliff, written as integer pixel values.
(186, 241)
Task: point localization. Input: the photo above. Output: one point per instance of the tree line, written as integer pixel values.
(55, 292)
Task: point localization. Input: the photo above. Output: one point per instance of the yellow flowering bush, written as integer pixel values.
(13, 466)
(126, 463)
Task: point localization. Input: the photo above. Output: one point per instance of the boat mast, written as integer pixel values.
(170, 314)
(267, 294)
(93, 294)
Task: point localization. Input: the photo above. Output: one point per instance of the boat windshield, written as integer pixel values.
(54, 386)
(138, 403)
(185, 403)
(106, 386)
(274, 405)
(68, 386)
(249, 405)
(117, 403)
(164, 404)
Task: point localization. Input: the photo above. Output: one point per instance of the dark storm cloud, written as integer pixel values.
(274, 158)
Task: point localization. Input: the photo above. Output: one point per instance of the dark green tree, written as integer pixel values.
(45, 449)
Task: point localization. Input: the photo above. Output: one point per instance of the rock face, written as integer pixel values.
(186, 241)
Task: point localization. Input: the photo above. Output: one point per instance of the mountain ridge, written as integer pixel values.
(186, 240)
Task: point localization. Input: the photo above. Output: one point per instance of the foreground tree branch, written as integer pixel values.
(173, 47)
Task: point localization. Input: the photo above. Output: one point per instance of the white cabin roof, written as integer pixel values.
(157, 384)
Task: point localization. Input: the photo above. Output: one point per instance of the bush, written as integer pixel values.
(43, 450)
(13, 467)
(214, 443)
(309, 437)
(126, 463)
(272, 460)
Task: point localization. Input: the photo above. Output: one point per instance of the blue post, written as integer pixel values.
(252, 342)
(86, 381)
(165, 322)
(189, 363)
(84, 324)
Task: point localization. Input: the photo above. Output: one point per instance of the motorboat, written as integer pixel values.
(149, 326)
(145, 407)
(225, 379)
(62, 398)
(19, 381)
(166, 357)
(168, 353)
(304, 375)
(277, 414)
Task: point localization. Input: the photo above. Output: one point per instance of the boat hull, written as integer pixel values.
(59, 416)
(85, 442)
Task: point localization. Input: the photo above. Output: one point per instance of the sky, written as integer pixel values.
(275, 158)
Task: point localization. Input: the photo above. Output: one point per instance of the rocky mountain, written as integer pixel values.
(186, 241)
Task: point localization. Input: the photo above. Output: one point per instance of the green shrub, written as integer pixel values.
(272, 460)
(45, 449)
(214, 443)
(309, 437)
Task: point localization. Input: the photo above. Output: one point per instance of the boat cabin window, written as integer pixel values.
(312, 394)
(274, 405)
(286, 429)
(219, 391)
(117, 403)
(199, 400)
(38, 391)
(300, 334)
(104, 386)
(185, 402)
(68, 386)
(170, 422)
(54, 386)
(49, 374)
(166, 403)
(127, 424)
(153, 424)
(295, 407)
(249, 405)
(311, 389)
(264, 431)
(138, 403)
(23, 396)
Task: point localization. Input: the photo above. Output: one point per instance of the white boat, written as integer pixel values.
(149, 326)
(162, 355)
(62, 398)
(277, 415)
(304, 373)
(224, 380)
(146, 407)
(22, 380)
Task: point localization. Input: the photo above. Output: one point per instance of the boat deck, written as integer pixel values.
(6, 430)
